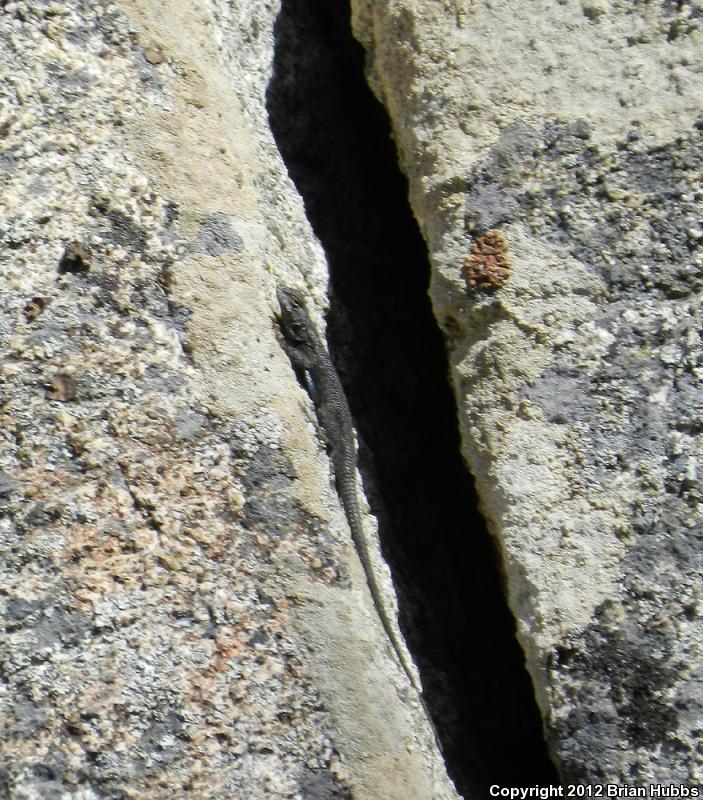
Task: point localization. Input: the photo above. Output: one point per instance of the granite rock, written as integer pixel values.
(184, 614)
(573, 129)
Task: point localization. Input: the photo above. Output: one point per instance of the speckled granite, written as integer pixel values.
(166, 569)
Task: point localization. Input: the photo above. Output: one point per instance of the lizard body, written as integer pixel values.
(309, 356)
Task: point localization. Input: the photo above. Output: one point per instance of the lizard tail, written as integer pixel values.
(362, 548)
(351, 508)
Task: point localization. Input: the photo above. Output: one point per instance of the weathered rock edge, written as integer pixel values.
(573, 129)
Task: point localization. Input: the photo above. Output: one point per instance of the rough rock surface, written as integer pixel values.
(573, 129)
(184, 615)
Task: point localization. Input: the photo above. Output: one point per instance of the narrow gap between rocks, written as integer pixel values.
(335, 140)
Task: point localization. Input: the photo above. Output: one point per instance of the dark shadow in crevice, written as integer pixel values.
(335, 140)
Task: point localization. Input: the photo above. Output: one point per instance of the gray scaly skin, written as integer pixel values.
(309, 356)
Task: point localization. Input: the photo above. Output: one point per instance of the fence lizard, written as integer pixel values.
(310, 357)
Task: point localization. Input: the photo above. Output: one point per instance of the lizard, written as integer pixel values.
(310, 357)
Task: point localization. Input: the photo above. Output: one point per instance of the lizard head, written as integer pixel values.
(293, 315)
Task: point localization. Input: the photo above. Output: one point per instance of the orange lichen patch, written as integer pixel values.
(488, 265)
